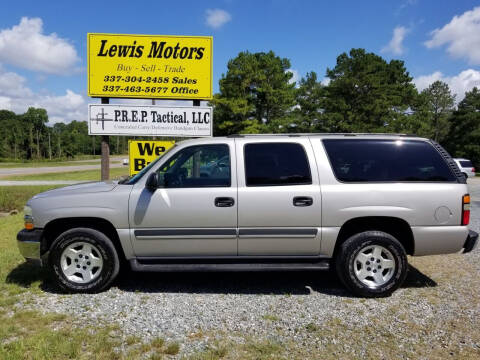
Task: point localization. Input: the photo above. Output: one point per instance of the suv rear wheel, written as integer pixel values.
(371, 264)
(83, 260)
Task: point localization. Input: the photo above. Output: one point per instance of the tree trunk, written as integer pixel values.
(59, 147)
(49, 147)
(38, 144)
(31, 142)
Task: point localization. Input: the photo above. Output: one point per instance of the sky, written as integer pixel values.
(43, 50)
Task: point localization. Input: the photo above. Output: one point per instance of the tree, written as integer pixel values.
(367, 94)
(432, 110)
(309, 108)
(463, 139)
(254, 94)
(37, 118)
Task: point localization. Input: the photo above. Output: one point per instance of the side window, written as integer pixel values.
(386, 160)
(276, 164)
(197, 166)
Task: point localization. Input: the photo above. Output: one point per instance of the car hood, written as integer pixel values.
(89, 187)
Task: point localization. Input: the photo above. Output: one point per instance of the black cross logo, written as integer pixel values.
(101, 117)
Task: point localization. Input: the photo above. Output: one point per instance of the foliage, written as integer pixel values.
(463, 139)
(28, 136)
(367, 94)
(254, 94)
(362, 93)
(432, 109)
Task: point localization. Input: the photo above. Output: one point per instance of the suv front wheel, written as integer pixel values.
(83, 260)
(371, 264)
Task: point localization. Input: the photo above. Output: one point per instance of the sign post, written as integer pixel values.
(105, 150)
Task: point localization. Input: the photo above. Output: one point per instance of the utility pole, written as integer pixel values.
(105, 162)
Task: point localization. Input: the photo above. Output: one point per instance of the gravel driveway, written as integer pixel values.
(431, 316)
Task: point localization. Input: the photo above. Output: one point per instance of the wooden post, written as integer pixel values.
(105, 162)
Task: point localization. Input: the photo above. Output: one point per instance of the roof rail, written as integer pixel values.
(323, 134)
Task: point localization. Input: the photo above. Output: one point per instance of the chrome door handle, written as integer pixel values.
(302, 201)
(224, 202)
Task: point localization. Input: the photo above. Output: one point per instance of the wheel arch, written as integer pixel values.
(57, 226)
(397, 227)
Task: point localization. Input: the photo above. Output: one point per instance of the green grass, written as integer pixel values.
(15, 197)
(27, 334)
(84, 175)
(12, 163)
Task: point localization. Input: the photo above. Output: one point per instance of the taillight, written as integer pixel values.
(465, 209)
(473, 169)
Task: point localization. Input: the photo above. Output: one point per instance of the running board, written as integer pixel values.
(230, 266)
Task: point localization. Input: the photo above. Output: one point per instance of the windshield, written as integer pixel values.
(133, 179)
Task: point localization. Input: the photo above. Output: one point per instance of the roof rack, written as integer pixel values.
(323, 134)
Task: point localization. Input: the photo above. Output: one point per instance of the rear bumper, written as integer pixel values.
(28, 242)
(471, 242)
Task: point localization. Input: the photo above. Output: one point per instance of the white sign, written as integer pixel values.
(149, 120)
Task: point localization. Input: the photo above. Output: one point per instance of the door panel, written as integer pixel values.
(186, 221)
(280, 219)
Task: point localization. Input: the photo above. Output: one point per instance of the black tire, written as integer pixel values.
(345, 263)
(109, 268)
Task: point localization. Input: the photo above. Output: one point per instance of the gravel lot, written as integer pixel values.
(432, 314)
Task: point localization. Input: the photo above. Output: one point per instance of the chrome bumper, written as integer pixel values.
(28, 242)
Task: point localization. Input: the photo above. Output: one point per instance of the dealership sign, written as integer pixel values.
(150, 66)
(149, 120)
(143, 152)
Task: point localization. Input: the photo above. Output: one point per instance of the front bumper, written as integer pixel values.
(471, 242)
(28, 242)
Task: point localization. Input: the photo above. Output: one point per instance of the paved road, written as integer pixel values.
(474, 188)
(6, 172)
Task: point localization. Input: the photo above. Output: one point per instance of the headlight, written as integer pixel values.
(28, 217)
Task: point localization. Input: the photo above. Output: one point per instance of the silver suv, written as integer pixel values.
(351, 202)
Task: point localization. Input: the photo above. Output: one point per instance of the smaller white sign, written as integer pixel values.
(149, 120)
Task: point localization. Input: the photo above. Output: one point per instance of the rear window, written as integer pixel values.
(386, 160)
(466, 163)
(276, 164)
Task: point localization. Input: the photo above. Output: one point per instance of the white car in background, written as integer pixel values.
(466, 167)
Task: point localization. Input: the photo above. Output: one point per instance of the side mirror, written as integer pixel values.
(152, 181)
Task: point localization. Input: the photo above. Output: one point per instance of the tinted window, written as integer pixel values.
(276, 164)
(197, 166)
(466, 163)
(386, 160)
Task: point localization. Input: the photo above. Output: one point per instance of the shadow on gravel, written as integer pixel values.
(260, 283)
(417, 279)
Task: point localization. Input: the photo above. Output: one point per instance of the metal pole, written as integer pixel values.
(105, 162)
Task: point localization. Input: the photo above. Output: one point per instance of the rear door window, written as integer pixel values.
(276, 164)
(366, 160)
(466, 163)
